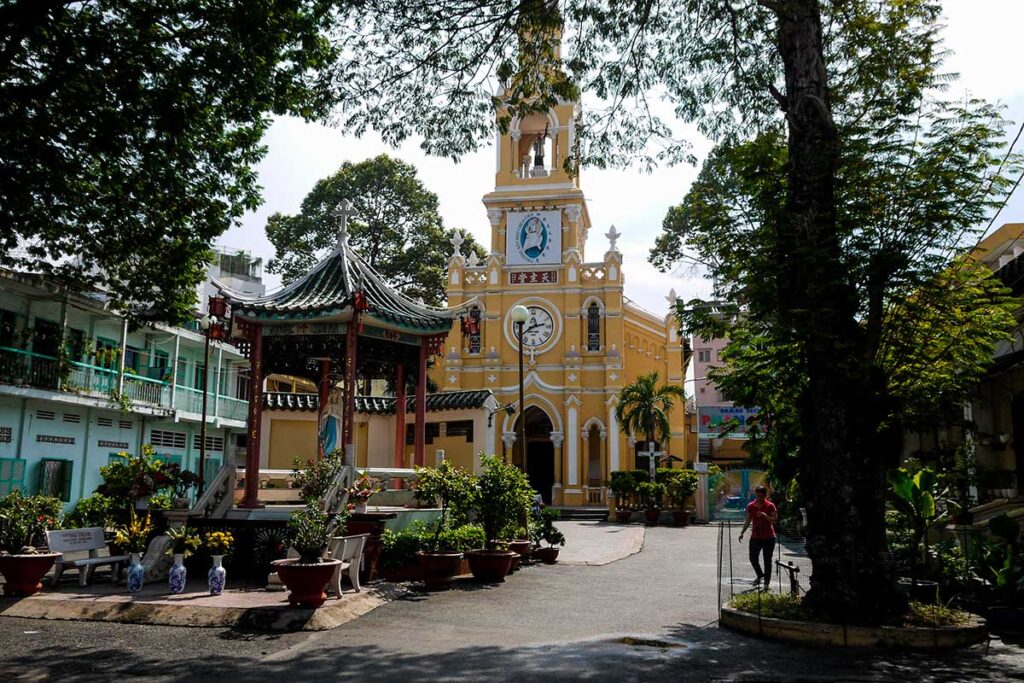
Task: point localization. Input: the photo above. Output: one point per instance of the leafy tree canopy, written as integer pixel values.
(131, 129)
(395, 226)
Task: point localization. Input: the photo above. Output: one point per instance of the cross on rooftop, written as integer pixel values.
(342, 213)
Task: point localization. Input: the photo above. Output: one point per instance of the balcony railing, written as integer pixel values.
(25, 368)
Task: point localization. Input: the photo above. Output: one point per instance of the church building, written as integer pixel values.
(583, 341)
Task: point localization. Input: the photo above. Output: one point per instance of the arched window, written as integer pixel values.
(594, 474)
(593, 327)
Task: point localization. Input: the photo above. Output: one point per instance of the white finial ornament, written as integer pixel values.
(456, 241)
(672, 298)
(473, 259)
(342, 213)
(613, 236)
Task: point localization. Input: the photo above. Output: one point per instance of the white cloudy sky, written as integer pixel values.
(984, 38)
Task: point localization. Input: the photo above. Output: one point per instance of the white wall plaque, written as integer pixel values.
(533, 237)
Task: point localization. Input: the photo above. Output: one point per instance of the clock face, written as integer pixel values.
(539, 327)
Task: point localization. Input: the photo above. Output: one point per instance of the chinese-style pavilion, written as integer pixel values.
(339, 323)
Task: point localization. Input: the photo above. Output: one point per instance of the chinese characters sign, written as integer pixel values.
(533, 277)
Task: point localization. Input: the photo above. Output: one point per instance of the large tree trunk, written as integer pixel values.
(840, 463)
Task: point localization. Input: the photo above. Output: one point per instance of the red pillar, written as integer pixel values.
(421, 408)
(324, 397)
(348, 416)
(400, 416)
(252, 448)
(396, 483)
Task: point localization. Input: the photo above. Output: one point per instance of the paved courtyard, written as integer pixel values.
(648, 616)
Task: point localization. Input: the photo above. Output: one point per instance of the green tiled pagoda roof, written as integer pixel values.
(328, 291)
(446, 400)
(382, 405)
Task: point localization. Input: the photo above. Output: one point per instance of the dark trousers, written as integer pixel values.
(762, 548)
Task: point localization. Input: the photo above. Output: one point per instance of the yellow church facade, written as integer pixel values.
(584, 339)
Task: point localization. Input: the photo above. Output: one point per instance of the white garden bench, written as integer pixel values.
(348, 549)
(82, 540)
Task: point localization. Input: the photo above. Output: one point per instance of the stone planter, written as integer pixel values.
(839, 635)
(490, 566)
(547, 555)
(517, 559)
(305, 582)
(438, 569)
(522, 548)
(22, 573)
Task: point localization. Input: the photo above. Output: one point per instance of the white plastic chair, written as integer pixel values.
(348, 549)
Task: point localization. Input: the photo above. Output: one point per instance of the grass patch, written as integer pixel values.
(789, 607)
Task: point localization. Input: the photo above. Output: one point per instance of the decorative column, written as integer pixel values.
(348, 425)
(557, 439)
(252, 447)
(420, 430)
(573, 430)
(585, 462)
(323, 396)
(399, 461)
(605, 472)
(613, 438)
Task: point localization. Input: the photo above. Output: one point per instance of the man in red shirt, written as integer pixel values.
(762, 514)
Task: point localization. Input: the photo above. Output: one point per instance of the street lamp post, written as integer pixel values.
(206, 323)
(520, 314)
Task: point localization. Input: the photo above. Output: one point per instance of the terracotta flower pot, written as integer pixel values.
(623, 516)
(22, 573)
(547, 555)
(305, 582)
(490, 566)
(523, 548)
(517, 559)
(681, 517)
(438, 569)
(652, 515)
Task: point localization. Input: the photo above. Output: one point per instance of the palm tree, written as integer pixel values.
(644, 406)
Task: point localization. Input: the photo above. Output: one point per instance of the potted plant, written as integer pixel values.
(1000, 564)
(316, 478)
(917, 497)
(623, 485)
(442, 485)
(545, 531)
(309, 531)
(503, 497)
(182, 482)
(132, 537)
(361, 490)
(219, 544)
(23, 519)
(651, 493)
(680, 485)
(184, 541)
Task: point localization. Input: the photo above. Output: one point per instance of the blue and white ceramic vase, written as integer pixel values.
(136, 573)
(178, 575)
(217, 576)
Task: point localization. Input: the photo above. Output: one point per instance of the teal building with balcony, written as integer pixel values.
(78, 385)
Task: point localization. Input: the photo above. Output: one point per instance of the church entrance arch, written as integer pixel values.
(540, 452)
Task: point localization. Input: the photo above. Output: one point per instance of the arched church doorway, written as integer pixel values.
(540, 452)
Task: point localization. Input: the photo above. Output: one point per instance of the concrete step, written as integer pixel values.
(584, 513)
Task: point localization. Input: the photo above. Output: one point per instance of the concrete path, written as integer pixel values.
(649, 616)
(598, 543)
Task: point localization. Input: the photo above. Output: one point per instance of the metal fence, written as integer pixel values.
(790, 567)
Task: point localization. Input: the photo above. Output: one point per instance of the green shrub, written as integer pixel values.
(462, 539)
(503, 500)
(399, 548)
(91, 511)
(774, 605)
(310, 529)
(23, 519)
